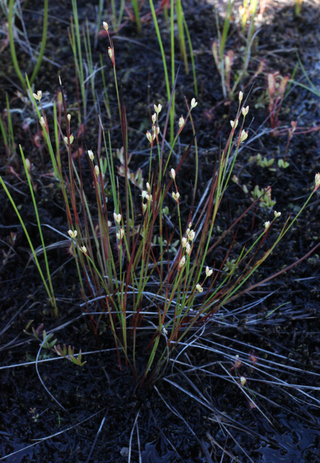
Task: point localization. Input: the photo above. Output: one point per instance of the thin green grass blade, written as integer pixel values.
(12, 47)
(165, 68)
(43, 42)
(48, 290)
(52, 297)
(191, 56)
(182, 42)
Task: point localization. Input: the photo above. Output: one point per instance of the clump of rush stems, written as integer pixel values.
(225, 60)
(152, 296)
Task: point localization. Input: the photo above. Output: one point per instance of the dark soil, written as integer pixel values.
(57, 412)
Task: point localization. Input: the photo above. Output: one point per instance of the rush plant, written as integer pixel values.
(151, 278)
(225, 60)
(153, 293)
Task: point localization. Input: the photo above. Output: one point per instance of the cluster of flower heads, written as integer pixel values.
(73, 235)
(187, 240)
(146, 194)
(153, 135)
(187, 245)
(199, 287)
(234, 124)
(268, 223)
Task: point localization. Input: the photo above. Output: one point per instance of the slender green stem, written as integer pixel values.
(182, 42)
(12, 47)
(165, 69)
(192, 57)
(43, 42)
(135, 5)
(52, 298)
(47, 288)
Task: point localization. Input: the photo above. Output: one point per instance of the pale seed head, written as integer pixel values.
(176, 196)
(243, 136)
(188, 249)
(149, 137)
(120, 234)
(245, 111)
(38, 95)
(199, 288)
(234, 123)
(181, 122)
(117, 217)
(191, 235)
(182, 262)
(193, 103)
(68, 140)
(72, 234)
(208, 272)
(157, 108)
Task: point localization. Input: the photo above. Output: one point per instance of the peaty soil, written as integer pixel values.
(52, 410)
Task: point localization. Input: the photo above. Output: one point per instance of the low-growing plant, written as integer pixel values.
(264, 195)
(153, 292)
(263, 161)
(276, 91)
(153, 279)
(283, 164)
(51, 344)
(224, 61)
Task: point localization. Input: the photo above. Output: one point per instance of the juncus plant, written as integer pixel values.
(152, 296)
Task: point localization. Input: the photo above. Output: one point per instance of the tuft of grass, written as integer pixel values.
(225, 60)
(158, 290)
(151, 278)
